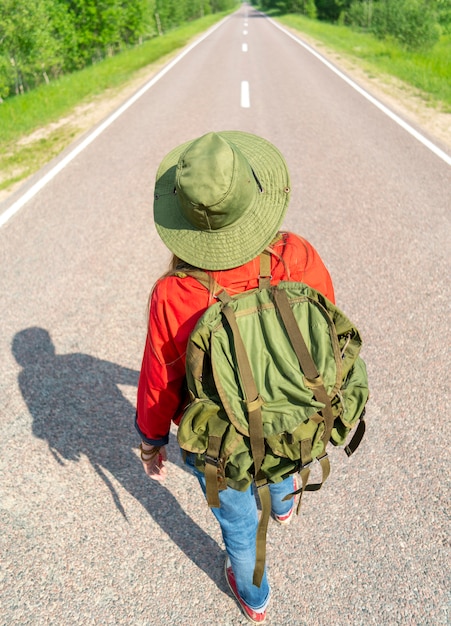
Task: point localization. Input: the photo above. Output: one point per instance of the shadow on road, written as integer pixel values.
(78, 409)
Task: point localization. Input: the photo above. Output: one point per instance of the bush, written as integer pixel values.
(411, 22)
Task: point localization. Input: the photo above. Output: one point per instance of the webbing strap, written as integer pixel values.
(211, 471)
(295, 335)
(357, 437)
(325, 468)
(306, 451)
(208, 282)
(304, 474)
(260, 553)
(202, 277)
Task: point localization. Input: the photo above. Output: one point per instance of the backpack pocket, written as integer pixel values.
(203, 420)
(193, 430)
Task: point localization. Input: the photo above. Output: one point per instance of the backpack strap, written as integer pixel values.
(203, 278)
(251, 396)
(357, 437)
(313, 380)
(264, 278)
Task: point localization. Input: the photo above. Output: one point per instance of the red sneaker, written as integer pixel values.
(285, 519)
(256, 617)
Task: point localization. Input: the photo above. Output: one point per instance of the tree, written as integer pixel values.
(29, 50)
(104, 27)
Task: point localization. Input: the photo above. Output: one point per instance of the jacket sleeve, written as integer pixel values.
(162, 392)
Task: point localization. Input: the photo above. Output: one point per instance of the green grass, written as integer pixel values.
(428, 71)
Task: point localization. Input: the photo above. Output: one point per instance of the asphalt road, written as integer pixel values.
(86, 538)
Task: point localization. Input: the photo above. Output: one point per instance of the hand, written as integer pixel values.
(152, 458)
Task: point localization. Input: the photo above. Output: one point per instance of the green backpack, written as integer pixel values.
(274, 375)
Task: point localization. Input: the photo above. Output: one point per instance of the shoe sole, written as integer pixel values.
(248, 617)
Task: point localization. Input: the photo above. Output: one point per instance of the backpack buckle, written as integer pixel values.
(307, 465)
(211, 460)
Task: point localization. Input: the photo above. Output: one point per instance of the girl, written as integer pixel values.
(219, 202)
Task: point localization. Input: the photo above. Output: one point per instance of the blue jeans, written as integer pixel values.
(238, 519)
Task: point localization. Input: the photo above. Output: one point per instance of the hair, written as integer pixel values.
(179, 266)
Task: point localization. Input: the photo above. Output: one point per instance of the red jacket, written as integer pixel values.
(176, 305)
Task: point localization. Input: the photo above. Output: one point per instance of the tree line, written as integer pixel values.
(42, 39)
(415, 24)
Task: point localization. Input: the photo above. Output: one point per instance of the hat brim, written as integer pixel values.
(244, 239)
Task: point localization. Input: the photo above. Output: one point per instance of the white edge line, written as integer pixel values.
(426, 142)
(42, 182)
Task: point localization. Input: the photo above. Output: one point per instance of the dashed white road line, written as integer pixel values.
(245, 98)
(244, 47)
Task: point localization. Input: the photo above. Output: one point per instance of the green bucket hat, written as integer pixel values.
(220, 199)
